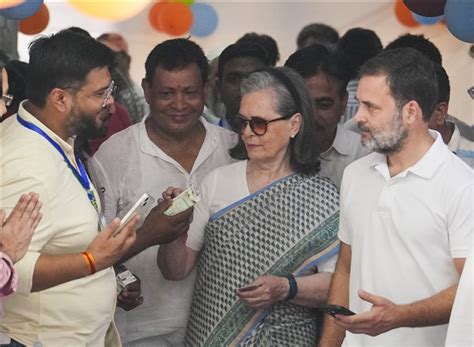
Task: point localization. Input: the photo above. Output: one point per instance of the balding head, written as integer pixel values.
(114, 41)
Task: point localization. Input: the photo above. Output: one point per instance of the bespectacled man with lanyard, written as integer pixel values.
(67, 290)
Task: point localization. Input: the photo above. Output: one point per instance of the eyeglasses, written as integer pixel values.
(105, 95)
(258, 125)
(110, 93)
(7, 99)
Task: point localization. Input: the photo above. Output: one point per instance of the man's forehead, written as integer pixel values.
(190, 69)
(189, 74)
(322, 82)
(372, 87)
(377, 81)
(98, 78)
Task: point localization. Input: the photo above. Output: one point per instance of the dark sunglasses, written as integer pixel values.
(258, 125)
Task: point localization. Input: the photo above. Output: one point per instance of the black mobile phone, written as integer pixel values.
(335, 309)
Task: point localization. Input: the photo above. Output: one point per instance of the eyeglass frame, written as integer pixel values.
(7, 99)
(110, 92)
(249, 123)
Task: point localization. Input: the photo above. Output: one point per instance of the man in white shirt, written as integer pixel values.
(406, 214)
(174, 146)
(327, 85)
(460, 145)
(66, 285)
(427, 48)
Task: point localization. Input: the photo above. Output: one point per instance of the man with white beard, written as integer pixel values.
(406, 214)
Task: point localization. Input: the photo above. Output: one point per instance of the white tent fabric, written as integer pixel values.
(282, 20)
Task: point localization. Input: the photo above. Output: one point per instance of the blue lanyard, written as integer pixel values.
(81, 175)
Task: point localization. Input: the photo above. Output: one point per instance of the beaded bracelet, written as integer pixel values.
(293, 287)
(90, 261)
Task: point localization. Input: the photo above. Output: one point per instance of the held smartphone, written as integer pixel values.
(335, 309)
(141, 207)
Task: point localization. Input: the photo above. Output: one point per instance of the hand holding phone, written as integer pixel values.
(335, 309)
(142, 207)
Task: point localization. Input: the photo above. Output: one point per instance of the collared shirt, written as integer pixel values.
(462, 146)
(128, 165)
(74, 313)
(210, 116)
(461, 322)
(345, 149)
(404, 232)
(224, 123)
(352, 103)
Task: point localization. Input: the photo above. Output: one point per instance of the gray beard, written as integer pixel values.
(389, 140)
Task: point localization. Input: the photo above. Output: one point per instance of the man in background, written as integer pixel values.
(326, 81)
(356, 46)
(236, 62)
(176, 147)
(427, 48)
(456, 142)
(129, 94)
(319, 33)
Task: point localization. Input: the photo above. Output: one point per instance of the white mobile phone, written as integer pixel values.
(141, 207)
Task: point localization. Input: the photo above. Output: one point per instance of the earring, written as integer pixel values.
(293, 136)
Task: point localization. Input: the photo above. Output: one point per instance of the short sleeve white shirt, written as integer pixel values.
(461, 322)
(404, 232)
(126, 166)
(75, 313)
(345, 149)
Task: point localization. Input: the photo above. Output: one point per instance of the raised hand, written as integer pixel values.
(158, 228)
(16, 230)
(107, 249)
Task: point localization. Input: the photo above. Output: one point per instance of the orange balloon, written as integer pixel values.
(36, 23)
(175, 18)
(404, 15)
(154, 14)
(10, 3)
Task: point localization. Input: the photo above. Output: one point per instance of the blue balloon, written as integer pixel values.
(22, 11)
(459, 17)
(204, 19)
(427, 20)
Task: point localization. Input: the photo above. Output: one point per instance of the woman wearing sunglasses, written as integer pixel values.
(264, 234)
